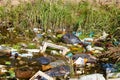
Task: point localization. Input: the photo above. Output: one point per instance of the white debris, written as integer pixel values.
(89, 48)
(13, 54)
(54, 52)
(79, 61)
(47, 44)
(3, 70)
(88, 39)
(98, 48)
(29, 54)
(92, 77)
(115, 75)
(104, 36)
(35, 29)
(2, 66)
(97, 51)
(114, 79)
(33, 50)
(42, 74)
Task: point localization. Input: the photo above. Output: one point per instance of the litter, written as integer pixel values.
(57, 63)
(53, 52)
(43, 60)
(98, 48)
(80, 61)
(104, 36)
(88, 39)
(42, 76)
(113, 75)
(89, 57)
(59, 71)
(46, 67)
(3, 69)
(90, 48)
(69, 55)
(46, 44)
(70, 38)
(77, 33)
(91, 34)
(32, 50)
(2, 66)
(14, 54)
(60, 41)
(92, 77)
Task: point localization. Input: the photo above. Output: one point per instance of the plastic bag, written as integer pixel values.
(93, 77)
(59, 71)
(43, 60)
(70, 39)
(89, 57)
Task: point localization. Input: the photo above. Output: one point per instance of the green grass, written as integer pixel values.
(56, 15)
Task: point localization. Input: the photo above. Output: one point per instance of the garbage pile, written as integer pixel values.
(71, 57)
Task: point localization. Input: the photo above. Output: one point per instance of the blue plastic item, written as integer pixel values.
(91, 34)
(87, 43)
(77, 33)
(69, 55)
(116, 43)
(39, 35)
(74, 33)
(109, 67)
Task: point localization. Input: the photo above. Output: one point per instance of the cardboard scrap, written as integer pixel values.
(42, 74)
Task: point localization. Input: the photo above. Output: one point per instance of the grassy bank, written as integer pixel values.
(56, 15)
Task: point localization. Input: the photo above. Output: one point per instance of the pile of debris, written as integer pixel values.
(71, 57)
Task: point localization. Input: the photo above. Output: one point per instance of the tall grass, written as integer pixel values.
(57, 15)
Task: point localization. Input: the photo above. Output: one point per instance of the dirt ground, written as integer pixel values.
(13, 2)
(16, 2)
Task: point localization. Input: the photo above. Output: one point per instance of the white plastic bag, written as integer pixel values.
(93, 77)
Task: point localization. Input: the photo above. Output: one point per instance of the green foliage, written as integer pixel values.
(17, 46)
(32, 46)
(117, 65)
